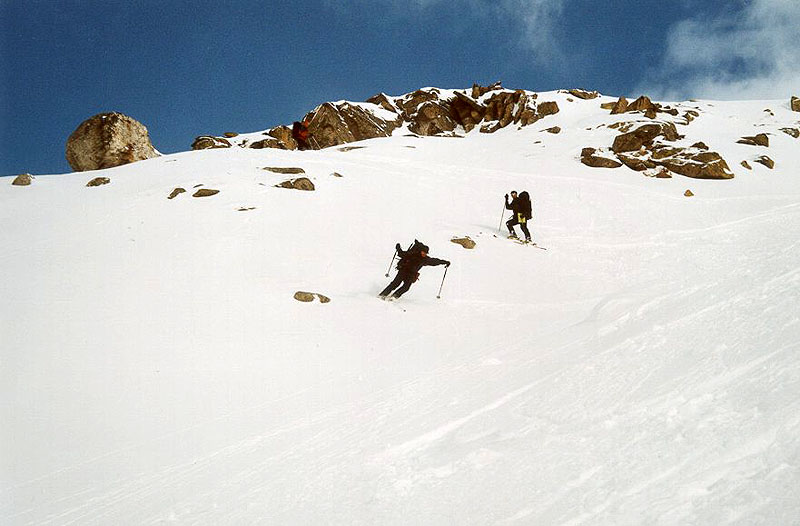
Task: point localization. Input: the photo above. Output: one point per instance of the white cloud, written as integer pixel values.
(751, 54)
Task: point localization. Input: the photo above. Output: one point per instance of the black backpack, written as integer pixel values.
(413, 254)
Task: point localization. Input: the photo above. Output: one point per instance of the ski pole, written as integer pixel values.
(500, 226)
(439, 296)
(392, 263)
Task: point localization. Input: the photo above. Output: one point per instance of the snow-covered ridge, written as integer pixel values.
(156, 367)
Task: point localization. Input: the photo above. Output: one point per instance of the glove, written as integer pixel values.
(397, 247)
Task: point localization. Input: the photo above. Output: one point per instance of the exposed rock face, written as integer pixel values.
(480, 91)
(795, 104)
(330, 125)
(583, 94)
(794, 132)
(640, 151)
(301, 183)
(176, 192)
(766, 161)
(308, 297)
(107, 140)
(703, 165)
(465, 242)
(758, 140)
(205, 192)
(205, 142)
(620, 107)
(427, 111)
(98, 181)
(284, 170)
(22, 180)
(644, 135)
(589, 158)
(432, 119)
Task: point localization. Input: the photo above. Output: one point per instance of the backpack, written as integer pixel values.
(525, 208)
(412, 255)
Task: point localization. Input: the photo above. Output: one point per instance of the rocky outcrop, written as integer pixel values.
(22, 180)
(206, 142)
(621, 106)
(583, 94)
(426, 112)
(333, 124)
(465, 242)
(766, 161)
(644, 136)
(107, 140)
(644, 150)
(795, 104)
(589, 157)
(794, 132)
(98, 181)
(757, 140)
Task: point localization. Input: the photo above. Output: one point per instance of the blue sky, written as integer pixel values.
(185, 68)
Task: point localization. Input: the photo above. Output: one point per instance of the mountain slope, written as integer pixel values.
(644, 369)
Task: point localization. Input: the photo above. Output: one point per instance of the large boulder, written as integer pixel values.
(643, 136)
(107, 140)
(334, 124)
(795, 104)
(697, 164)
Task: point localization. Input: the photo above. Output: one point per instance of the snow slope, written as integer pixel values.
(644, 369)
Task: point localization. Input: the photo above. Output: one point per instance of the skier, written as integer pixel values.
(411, 261)
(521, 206)
(300, 134)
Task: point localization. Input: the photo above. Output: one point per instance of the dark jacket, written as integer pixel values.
(412, 260)
(521, 205)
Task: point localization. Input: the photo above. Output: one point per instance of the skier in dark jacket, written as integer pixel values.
(300, 134)
(521, 207)
(411, 261)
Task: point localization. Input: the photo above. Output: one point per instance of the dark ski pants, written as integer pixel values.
(523, 225)
(406, 279)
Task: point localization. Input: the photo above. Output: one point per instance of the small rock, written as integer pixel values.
(766, 161)
(205, 192)
(349, 148)
(465, 242)
(794, 132)
(285, 171)
(337, 174)
(301, 183)
(747, 165)
(554, 130)
(22, 180)
(176, 192)
(98, 181)
(307, 297)
(231, 134)
(688, 193)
